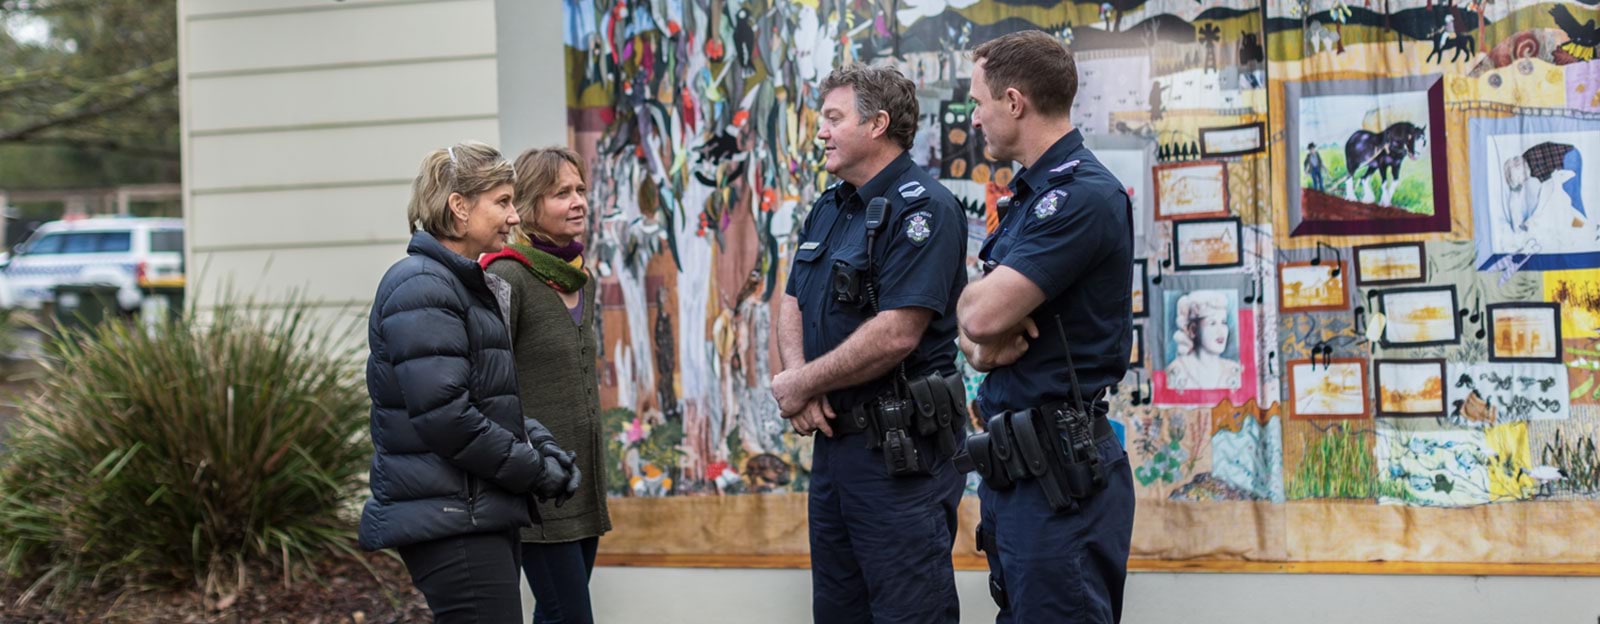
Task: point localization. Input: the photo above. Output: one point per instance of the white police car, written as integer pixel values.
(125, 252)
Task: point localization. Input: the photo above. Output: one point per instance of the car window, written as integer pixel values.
(80, 242)
(114, 242)
(166, 240)
(47, 244)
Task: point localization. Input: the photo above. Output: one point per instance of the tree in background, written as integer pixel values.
(92, 103)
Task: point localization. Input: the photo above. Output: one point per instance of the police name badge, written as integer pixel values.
(918, 227)
(1049, 205)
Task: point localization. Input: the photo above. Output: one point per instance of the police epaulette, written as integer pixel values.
(832, 189)
(1063, 172)
(914, 193)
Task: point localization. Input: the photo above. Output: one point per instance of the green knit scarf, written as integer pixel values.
(567, 277)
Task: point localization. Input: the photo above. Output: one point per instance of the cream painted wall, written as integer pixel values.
(303, 124)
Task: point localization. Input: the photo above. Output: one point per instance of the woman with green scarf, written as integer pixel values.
(551, 312)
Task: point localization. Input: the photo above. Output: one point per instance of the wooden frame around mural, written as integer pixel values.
(1554, 330)
(1344, 288)
(1420, 276)
(1155, 190)
(1294, 397)
(1177, 237)
(1389, 324)
(1261, 140)
(1377, 392)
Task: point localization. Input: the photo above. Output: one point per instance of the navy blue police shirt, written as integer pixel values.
(920, 253)
(1069, 230)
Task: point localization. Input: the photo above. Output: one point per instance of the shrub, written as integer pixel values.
(184, 454)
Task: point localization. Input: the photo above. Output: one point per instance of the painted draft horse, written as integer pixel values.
(1381, 154)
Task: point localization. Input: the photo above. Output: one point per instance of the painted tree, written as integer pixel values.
(1480, 7)
(1340, 14)
(1302, 10)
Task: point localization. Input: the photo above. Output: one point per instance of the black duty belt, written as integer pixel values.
(933, 406)
(1056, 444)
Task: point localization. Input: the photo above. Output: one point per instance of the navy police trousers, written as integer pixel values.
(1061, 567)
(880, 545)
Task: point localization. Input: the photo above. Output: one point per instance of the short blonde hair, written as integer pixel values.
(1194, 308)
(468, 168)
(538, 172)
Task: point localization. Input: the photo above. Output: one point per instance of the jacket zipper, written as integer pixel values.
(472, 500)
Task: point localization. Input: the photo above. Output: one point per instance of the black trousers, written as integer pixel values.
(559, 576)
(469, 579)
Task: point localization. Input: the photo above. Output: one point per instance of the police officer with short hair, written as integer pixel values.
(867, 335)
(1051, 315)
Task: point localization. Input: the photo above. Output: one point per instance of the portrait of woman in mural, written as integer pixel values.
(1203, 342)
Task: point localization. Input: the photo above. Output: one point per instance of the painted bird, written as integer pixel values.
(1581, 38)
(1546, 476)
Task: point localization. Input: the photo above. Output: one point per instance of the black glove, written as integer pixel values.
(538, 434)
(571, 486)
(552, 479)
(551, 449)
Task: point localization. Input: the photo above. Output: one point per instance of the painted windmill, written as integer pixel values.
(1210, 35)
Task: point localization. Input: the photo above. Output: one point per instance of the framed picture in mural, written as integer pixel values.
(1141, 289)
(1525, 332)
(1489, 393)
(1129, 159)
(1367, 156)
(1335, 389)
(1409, 387)
(1190, 190)
(1306, 287)
(1391, 264)
(1531, 198)
(1208, 243)
(1419, 316)
(1237, 140)
(1136, 354)
(1202, 341)
(1578, 292)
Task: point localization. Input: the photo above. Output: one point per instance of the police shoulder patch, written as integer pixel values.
(912, 190)
(919, 226)
(1049, 204)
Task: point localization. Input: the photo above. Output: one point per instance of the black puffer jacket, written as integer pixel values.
(452, 456)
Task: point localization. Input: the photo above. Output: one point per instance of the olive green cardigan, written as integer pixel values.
(559, 388)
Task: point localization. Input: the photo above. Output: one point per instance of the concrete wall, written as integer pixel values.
(672, 596)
